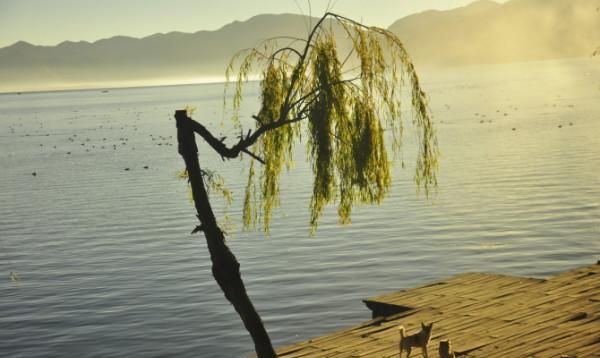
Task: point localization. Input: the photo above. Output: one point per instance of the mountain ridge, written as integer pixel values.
(481, 32)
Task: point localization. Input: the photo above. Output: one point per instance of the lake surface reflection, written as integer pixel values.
(107, 266)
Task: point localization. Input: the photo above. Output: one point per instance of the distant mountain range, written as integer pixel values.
(488, 32)
(483, 32)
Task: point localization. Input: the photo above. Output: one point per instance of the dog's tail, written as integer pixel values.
(402, 331)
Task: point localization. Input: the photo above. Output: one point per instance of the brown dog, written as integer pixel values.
(446, 349)
(420, 339)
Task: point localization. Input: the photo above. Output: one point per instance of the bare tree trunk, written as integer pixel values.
(225, 267)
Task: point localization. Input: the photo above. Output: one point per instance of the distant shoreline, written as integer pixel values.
(426, 68)
(106, 89)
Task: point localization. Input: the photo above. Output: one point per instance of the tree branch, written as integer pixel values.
(262, 161)
(245, 141)
(318, 89)
(293, 38)
(291, 49)
(299, 65)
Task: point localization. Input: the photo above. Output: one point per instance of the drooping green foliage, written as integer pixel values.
(324, 112)
(350, 103)
(250, 214)
(274, 146)
(214, 182)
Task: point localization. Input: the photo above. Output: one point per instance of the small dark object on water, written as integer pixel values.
(514, 129)
(570, 123)
(126, 169)
(145, 167)
(560, 126)
(34, 173)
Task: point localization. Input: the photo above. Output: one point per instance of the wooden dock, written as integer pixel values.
(484, 315)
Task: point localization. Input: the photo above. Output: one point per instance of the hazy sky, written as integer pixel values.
(48, 22)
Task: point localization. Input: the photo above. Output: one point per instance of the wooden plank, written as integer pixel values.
(485, 315)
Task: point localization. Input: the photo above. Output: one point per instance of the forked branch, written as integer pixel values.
(243, 143)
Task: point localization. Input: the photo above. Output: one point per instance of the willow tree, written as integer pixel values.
(346, 103)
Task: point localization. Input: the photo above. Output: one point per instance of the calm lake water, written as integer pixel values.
(107, 266)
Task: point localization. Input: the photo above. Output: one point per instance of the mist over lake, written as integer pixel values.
(100, 235)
